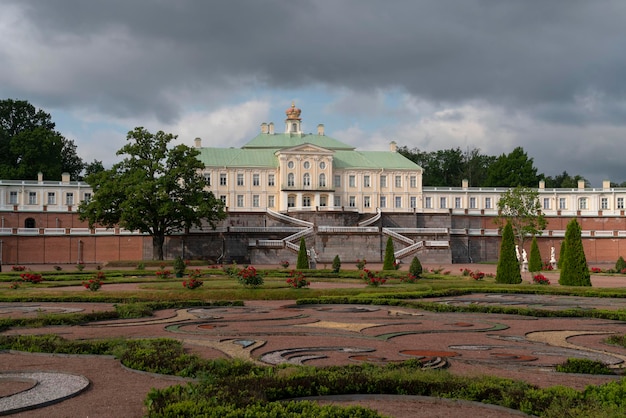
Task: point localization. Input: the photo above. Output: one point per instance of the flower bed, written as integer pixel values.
(192, 283)
(297, 280)
(540, 279)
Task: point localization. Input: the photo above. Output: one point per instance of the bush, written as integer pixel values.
(250, 277)
(336, 264)
(303, 260)
(415, 269)
(574, 268)
(179, 266)
(582, 365)
(390, 260)
(620, 265)
(534, 263)
(508, 267)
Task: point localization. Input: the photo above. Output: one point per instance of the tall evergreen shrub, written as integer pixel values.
(620, 264)
(508, 270)
(336, 264)
(303, 259)
(534, 263)
(574, 269)
(390, 259)
(415, 269)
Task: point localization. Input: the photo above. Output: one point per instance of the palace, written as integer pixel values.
(280, 187)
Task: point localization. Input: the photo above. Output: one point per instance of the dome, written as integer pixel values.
(293, 112)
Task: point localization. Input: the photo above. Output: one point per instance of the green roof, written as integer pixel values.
(240, 157)
(279, 141)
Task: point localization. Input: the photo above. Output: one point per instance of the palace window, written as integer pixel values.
(562, 203)
(582, 203)
(413, 202)
(487, 203)
(620, 203)
(322, 180)
(239, 179)
(29, 223)
(472, 203)
(291, 201)
(290, 180)
(457, 203)
(69, 199)
(604, 203)
(366, 181)
(383, 201)
(352, 201)
(52, 198)
(366, 202)
(223, 199)
(239, 200)
(546, 203)
(87, 197)
(255, 200)
(32, 198)
(337, 180)
(256, 180)
(443, 203)
(222, 179)
(270, 179)
(413, 181)
(306, 179)
(13, 198)
(428, 202)
(383, 181)
(207, 178)
(398, 202)
(398, 181)
(337, 201)
(307, 165)
(270, 201)
(352, 181)
(306, 201)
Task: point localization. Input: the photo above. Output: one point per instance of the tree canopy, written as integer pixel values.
(521, 208)
(29, 144)
(514, 169)
(155, 189)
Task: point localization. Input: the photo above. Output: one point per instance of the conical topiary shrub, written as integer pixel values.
(574, 268)
(336, 264)
(389, 263)
(620, 265)
(303, 259)
(534, 263)
(508, 267)
(415, 269)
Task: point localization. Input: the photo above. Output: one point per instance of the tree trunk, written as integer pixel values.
(157, 247)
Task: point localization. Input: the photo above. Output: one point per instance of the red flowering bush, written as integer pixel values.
(360, 264)
(297, 280)
(540, 279)
(192, 283)
(477, 275)
(372, 279)
(163, 274)
(409, 279)
(93, 284)
(249, 277)
(547, 266)
(465, 272)
(284, 264)
(18, 268)
(596, 270)
(195, 274)
(31, 277)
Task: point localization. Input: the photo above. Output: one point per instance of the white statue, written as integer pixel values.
(552, 257)
(524, 259)
(517, 253)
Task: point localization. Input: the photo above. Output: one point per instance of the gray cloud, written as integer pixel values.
(558, 62)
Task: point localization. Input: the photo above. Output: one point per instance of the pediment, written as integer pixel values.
(305, 149)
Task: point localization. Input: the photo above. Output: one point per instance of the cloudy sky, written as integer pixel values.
(549, 76)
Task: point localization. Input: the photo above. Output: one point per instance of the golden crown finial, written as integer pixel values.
(293, 112)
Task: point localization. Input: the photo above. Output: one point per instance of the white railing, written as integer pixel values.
(397, 236)
(491, 232)
(263, 229)
(80, 231)
(458, 231)
(603, 233)
(558, 233)
(54, 231)
(6, 231)
(474, 232)
(104, 231)
(273, 243)
(422, 231)
(28, 231)
(291, 246)
(621, 233)
(347, 229)
(372, 219)
(585, 233)
(408, 250)
(439, 244)
(298, 235)
(289, 219)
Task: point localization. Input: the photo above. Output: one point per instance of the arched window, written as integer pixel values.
(29, 223)
(290, 180)
(306, 179)
(322, 180)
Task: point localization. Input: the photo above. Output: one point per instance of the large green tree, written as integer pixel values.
(521, 207)
(156, 189)
(29, 144)
(574, 268)
(514, 169)
(508, 270)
